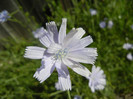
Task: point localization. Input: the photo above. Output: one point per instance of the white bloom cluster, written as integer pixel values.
(77, 97)
(128, 46)
(93, 12)
(110, 24)
(103, 24)
(62, 51)
(130, 56)
(4, 15)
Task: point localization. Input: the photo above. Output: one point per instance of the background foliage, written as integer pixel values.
(16, 72)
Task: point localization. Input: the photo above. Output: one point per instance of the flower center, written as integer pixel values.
(61, 53)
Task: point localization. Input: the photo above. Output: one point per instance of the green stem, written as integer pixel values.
(14, 12)
(55, 93)
(17, 21)
(69, 95)
(77, 91)
(93, 28)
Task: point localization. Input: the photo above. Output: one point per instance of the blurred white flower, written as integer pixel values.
(39, 32)
(105, 18)
(97, 79)
(61, 51)
(102, 24)
(119, 16)
(130, 56)
(93, 12)
(128, 46)
(110, 24)
(132, 26)
(77, 97)
(4, 15)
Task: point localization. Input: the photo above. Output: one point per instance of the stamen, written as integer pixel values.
(61, 53)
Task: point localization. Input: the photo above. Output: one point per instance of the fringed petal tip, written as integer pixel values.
(38, 33)
(50, 23)
(34, 52)
(95, 56)
(65, 83)
(90, 39)
(64, 20)
(63, 76)
(44, 71)
(93, 50)
(80, 29)
(36, 76)
(58, 86)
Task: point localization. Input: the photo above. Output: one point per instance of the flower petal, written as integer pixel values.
(52, 29)
(46, 40)
(69, 35)
(38, 33)
(67, 62)
(86, 55)
(92, 89)
(53, 48)
(81, 70)
(102, 81)
(73, 37)
(62, 31)
(43, 36)
(34, 52)
(45, 70)
(82, 43)
(58, 86)
(86, 51)
(63, 76)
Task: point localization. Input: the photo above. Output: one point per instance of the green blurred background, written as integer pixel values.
(16, 72)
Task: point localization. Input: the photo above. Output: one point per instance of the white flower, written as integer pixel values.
(132, 26)
(130, 56)
(4, 15)
(77, 97)
(128, 46)
(110, 24)
(93, 12)
(102, 24)
(97, 79)
(62, 51)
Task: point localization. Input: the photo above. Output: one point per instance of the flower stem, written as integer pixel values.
(55, 93)
(69, 95)
(17, 21)
(14, 12)
(93, 28)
